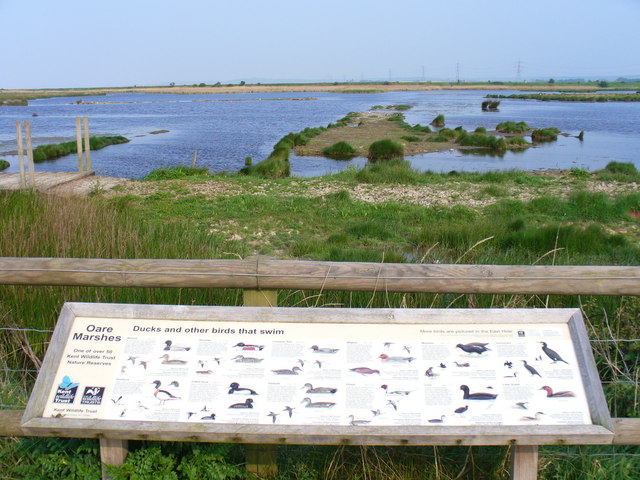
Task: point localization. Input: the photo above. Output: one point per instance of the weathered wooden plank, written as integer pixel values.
(627, 432)
(267, 274)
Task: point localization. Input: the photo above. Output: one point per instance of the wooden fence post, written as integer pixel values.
(112, 452)
(32, 175)
(87, 145)
(524, 462)
(23, 176)
(261, 459)
(79, 144)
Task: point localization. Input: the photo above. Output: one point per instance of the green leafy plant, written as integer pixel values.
(4, 164)
(385, 150)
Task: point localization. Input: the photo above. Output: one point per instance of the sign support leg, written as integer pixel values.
(112, 452)
(261, 459)
(524, 462)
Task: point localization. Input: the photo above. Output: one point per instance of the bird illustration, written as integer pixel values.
(513, 375)
(376, 412)
(117, 401)
(354, 422)
(123, 369)
(552, 394)
(319, 363)
(393, 404)
(394, 392)
(211, 416)
(163, 395)
(204, 409)
(310, 389)
(242, 359)
(462, 365)
(477, 395)
(474, 347)
(430, 373)
(522, 405)
(386, 358)
(123, 412)
(204, 372)
(273, 416)
(236, 388)
(175, 384)
(508, 364)
(437, 420)
(289, 410)
(190, 414)
(309, 404)
(301, 363)
(144, 363)
(285, 371)
(132, 360)
(552, 354)
(142, 406)
(317, 349)
(532, 370)
(442, 365)
(407, 349)
(248, 403)
(461, 409)
(166, 360)
(201, 363)
(176, 348)
(365, 370)
(536, 418)
(244, 346)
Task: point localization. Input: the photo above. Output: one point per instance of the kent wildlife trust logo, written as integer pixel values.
(92, 396)
(66, 391)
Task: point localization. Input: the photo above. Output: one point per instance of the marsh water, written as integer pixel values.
(225, 129)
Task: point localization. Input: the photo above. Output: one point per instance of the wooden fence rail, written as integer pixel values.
(262, 274)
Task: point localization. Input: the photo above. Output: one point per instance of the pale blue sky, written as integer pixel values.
(91, 43)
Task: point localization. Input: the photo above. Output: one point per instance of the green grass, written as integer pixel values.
(174, 173)
(577, 97)
(4, 164)
(43, 153)
(512, 127)
(340, 151)
(385, 150)
(173, 223)
(438, 121)
(549, 134)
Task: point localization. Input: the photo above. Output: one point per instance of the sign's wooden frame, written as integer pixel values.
(600, 432)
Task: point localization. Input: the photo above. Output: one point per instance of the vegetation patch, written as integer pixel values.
(512, 127)
(173, 173)
(438, 121)
(4, 164)
(340, 151)
(541, 135)
(385, 150)
(574, 97)
(391, 107)
(53, 151)
(156, 132)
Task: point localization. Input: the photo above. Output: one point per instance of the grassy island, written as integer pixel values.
(52, 151)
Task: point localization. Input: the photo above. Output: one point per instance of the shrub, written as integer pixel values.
(340, 151)
(410, 138)
(385, 150)
(516, 142)
(512, 127)
(625, 168)
(438, 121)
(3, 164)
(448, 133)
(549, 134)
(480, 130)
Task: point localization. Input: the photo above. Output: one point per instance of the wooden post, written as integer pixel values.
(23, 177)
(112, 452)
(524, 462)
(193, 160)
(87, 145)
(32, 175)
(79, 144)
(261, 459)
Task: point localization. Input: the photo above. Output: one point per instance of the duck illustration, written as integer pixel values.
(535, 418)
(204, 372)
(310, 389)
(552, 354)
(285, 371)
(176, 348)
(166, 360)
(394, 392)
(473, 347)
(242, 359)
(163, 395)
(522, 405)
(211, 416)
(354, 422)
(552, 394)
(461, 365)
(438, 420)
(309, 404)
(461, 409)
(477, 395)
(244, 346)
(430, 373)
(532, 370)
(236, 388)
(365, 370)
(248, 403)
(317, 349)
(386, 358)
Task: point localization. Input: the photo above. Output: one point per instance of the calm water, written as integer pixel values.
(225, 132)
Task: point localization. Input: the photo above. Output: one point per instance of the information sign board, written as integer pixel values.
(303, 375)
